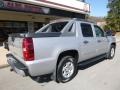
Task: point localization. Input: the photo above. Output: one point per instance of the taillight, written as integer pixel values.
(28, 49)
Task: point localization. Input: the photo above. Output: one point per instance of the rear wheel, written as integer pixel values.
(67, 69)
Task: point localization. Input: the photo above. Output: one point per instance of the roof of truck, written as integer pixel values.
(68, 19)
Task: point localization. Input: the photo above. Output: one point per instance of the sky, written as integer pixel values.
(98, 7)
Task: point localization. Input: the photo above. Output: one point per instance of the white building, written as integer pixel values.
(29, 15)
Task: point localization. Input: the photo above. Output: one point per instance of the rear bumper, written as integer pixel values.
(17, 66)
(32, 68)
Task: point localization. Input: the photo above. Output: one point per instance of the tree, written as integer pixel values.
(113, 17)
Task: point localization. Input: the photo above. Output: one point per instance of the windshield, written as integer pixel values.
(53, 27)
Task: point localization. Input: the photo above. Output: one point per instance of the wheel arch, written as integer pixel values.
(72, 52)
(113, 44)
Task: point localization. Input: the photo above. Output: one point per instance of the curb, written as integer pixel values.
(4, 66)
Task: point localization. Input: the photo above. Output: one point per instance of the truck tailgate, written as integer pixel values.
(15, 47)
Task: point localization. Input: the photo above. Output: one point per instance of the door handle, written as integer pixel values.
(85, 42)
(99, 41)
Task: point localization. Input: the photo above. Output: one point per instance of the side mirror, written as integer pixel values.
(110, 33)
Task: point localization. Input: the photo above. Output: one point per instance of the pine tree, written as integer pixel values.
(113, 18)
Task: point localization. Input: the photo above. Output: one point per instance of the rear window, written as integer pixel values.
(86, 30)
(55, 27)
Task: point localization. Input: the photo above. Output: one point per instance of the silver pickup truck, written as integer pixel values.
(58, 48)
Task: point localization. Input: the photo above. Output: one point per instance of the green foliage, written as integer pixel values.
(113, 18)
(106, 27)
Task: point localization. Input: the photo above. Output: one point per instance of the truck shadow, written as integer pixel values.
(81, 66)
(42, 79)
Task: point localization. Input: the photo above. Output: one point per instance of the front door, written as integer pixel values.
(101, 40)
(88, 46)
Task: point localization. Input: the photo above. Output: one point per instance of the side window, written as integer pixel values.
(99, 32)
(54, 27)
(86, 30)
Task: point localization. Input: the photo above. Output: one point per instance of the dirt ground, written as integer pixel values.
(118, 34)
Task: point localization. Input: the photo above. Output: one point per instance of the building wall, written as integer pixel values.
(16, 17)
(20, 16)
(29, 18)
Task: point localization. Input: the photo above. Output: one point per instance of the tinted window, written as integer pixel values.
(86, 30)
(55, 27)
(99, 31)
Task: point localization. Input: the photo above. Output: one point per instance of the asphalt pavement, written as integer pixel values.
(101, 75)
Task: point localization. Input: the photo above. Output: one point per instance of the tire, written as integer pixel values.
(111, 53)
(67, 69)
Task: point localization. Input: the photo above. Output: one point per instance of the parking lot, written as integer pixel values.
(102, 75)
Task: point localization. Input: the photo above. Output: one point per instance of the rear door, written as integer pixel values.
(101, 40)
(88, 47)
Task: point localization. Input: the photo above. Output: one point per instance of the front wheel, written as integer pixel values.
(111, 53)
(67, 69)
